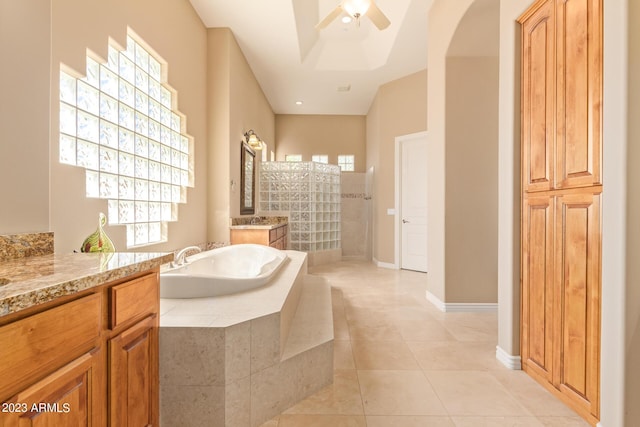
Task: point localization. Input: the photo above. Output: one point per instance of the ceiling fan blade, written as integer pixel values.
(329, 18)
(377, 17)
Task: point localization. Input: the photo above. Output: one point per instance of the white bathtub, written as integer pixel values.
(222, 271)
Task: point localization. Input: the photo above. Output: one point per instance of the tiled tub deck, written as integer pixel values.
(238, 360)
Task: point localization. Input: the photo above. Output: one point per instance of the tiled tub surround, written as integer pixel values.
(238, 360)
(35, 280)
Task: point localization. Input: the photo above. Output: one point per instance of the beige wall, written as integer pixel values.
(373, 161)
(444, 18)
(321, 134)
(509, 178)
(632, 290)
(471, 205)
(218, 126)
(399, 108)
(77, 27)
(24, 115)
(236, 104)
(632, 330)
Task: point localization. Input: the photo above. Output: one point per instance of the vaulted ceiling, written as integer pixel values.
(336, 70)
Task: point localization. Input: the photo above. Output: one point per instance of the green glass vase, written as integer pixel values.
(98, 241)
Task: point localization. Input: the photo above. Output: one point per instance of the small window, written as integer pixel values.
(293, 157)
(320, 158)
(346, 162)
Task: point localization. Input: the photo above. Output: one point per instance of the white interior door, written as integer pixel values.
(413, 203)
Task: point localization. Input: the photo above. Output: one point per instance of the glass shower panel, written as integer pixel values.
(310, 192)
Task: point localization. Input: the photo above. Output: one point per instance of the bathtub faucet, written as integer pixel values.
(181, 258)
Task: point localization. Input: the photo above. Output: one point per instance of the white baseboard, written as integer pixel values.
(460, 307)
(385, 264)
(511, 362)
(436, 301)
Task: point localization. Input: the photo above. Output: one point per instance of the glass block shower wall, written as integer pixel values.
(310, 192)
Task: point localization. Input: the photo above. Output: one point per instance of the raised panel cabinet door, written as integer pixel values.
(537, 287)
(579, 93)
(72, 396)
(577, 264)
(133, 363)
(538, 98)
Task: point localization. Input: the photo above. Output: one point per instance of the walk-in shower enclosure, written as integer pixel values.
(310, 192)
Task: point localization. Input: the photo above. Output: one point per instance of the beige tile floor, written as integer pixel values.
(400, 362)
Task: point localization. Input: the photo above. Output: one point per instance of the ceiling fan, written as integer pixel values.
(356, 9)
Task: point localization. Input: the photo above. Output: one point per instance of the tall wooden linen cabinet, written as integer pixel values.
(561, 192)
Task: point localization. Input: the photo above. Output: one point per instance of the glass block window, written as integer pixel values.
(119, 122)
(346, 162)
(293, 157)
(320, 158)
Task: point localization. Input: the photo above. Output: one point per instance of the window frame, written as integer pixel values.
(343, 164)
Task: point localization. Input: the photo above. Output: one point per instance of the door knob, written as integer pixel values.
(404, 221)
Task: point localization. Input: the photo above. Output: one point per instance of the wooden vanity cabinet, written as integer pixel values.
(92, 361)
(275, 237)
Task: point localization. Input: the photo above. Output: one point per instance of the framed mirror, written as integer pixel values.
(247, 180)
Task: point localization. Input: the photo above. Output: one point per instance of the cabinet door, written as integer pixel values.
(133, 391)
(538, 99)
(578, 243)
(71, 396)
(579, 92)
(257, 236)
(537, 286)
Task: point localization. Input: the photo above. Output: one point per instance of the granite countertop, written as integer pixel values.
(256, 226)
(30, 281)
(258, 222)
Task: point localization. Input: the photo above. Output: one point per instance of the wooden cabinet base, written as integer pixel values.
(71, 396)
(275, 237)
(92, 361)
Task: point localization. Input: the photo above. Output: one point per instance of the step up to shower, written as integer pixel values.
(241, 359)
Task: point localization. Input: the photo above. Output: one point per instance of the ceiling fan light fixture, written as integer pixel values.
(356, 8)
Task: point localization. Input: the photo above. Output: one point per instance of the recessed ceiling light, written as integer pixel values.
(298, 102)
(346, 19)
